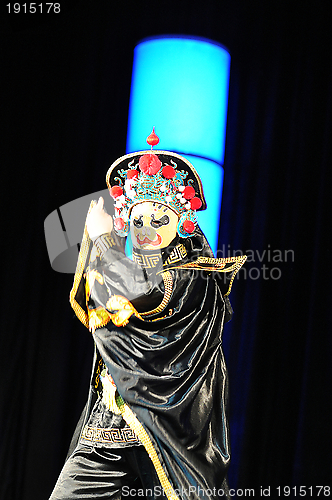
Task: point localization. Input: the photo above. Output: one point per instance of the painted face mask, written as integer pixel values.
(152, 225)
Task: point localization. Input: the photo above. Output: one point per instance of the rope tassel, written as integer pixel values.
(109, 390)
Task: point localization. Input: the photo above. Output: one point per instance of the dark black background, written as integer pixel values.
(64, 105)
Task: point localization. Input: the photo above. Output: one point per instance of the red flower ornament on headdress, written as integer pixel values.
(149, 164)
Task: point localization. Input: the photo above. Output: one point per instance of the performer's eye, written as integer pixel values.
(159, 222)
(138, 222)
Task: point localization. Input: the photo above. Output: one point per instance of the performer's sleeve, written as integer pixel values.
(124, 277)
(228, 272)
(225, 279)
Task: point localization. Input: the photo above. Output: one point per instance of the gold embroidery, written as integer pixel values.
(118, 406)
(81, 263)
(178, 253)
(91, 277)
(124, 309)
(238, 264)
(143, 436)
(98, 318)
(111, 435)
(147, 261)
(168, 284)
(98, 371)
(219, 265)
(104, 242)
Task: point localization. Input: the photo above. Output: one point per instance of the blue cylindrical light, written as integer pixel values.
(180, 86)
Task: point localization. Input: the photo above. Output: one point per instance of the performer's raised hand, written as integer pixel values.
(98, 221)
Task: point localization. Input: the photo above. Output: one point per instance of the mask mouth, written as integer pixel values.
(146, 240)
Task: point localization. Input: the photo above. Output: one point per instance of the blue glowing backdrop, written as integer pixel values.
(180, 86)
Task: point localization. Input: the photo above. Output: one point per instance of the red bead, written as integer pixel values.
(168, 172)
(152, 139)
(188, 193)
(188, 226)
(116, 191)
(195, 203)
(132, 174)
(119, 223)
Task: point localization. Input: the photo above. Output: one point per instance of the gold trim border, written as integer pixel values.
(218, 265)
(168, 284)
(143, 436)
(82, 258)
(115, 435)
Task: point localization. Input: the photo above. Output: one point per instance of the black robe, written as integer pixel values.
(168, 366)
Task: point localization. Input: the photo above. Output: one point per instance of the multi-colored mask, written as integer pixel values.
(152, 225)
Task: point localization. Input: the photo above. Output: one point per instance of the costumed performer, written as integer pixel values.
(155, 423)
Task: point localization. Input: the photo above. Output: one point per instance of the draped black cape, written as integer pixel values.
(169, 369)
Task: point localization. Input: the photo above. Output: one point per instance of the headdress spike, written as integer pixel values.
(152, 139)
